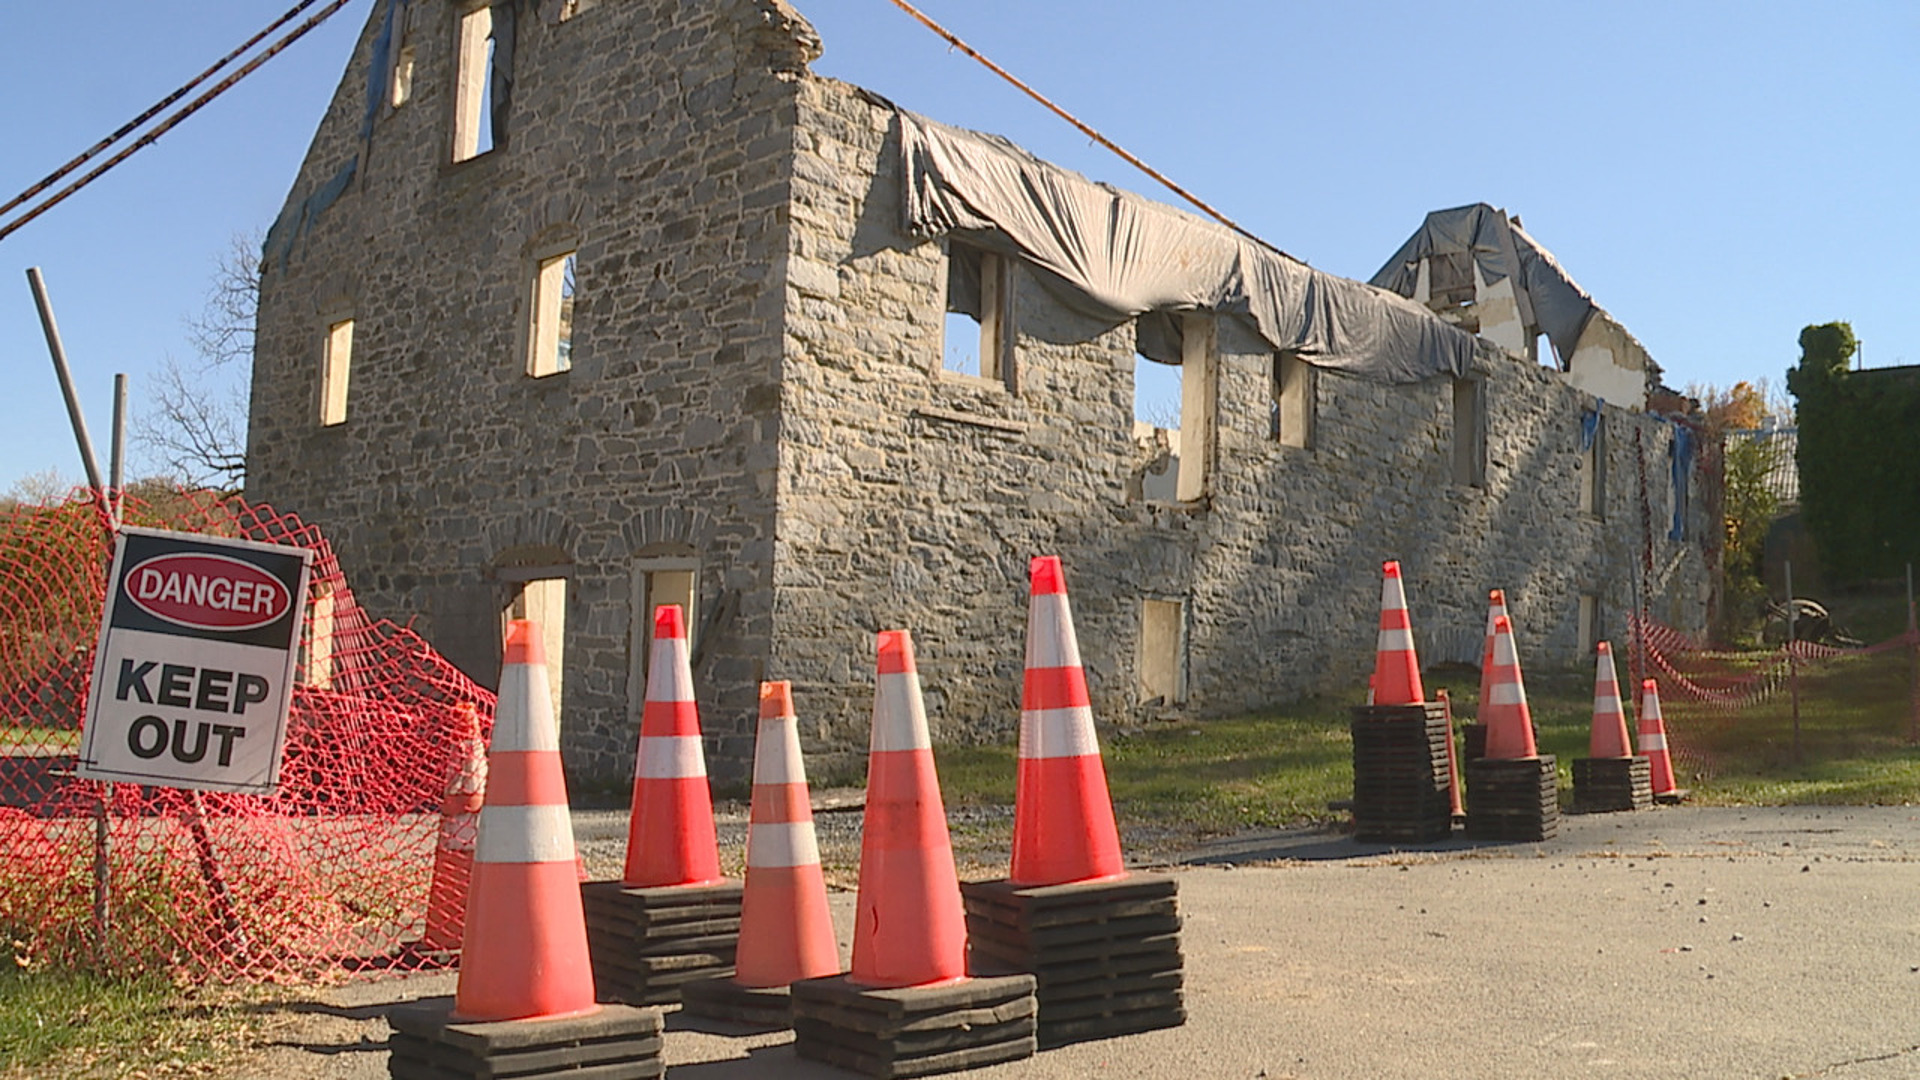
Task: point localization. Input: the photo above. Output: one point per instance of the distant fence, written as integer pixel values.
(328, 874)
(1798, 704)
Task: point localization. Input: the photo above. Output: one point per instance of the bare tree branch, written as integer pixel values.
(196, 420)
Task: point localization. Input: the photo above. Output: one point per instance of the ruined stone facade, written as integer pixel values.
(756, 400)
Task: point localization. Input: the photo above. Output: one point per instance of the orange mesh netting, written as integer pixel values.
(329, 874)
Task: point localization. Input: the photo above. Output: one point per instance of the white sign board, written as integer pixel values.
(194, 671)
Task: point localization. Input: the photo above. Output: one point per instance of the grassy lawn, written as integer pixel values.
(70, 1024)
(36, 741)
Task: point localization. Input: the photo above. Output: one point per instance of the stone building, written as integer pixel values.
(579, 307)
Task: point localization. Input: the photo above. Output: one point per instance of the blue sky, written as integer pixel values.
(1718, 175)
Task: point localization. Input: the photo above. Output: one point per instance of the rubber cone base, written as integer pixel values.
(1402, 784)
(1607, 785)
(427, 1044)
(648, 943)
(753, 1008)
(1513, 800)
(1105, 955)
(915, 1030)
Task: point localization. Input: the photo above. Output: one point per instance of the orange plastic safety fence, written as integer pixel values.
(327, 875)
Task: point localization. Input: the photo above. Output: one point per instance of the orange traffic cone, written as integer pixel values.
(1496, 607)
(1396, 669)
(1609, 738)
(459, 827)
(670, 835)
(1503, 704)
(786, 932)
(1063, 827)
(1653, 739)
(524, 953)
(908, 927)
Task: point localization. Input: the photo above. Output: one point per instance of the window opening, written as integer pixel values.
(552, 334)
(979, 330)
(335, 362)
(1293, 400)
(1589, 623)
(1163, 645)
(473, 86)
(1593, 466)
(544, 600)
(1469, 432)
(400, 90)
(658, 581)
(319, 658)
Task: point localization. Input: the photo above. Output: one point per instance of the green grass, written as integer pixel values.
(35, 741)
(74, 1024)
(1282, 768)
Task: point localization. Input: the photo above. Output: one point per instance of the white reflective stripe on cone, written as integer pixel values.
(783, 843)
(669, 676)
(899, 716)
(1397, 640)
(1050, 639)
(1653, 742)
(670, 757)
(536, 731)
(776, 753)
(1504, 654)
(1607, 706)
(1507, 693)
(1056, 733)
(525, 834)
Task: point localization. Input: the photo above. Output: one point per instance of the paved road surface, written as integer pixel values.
(1760, 943)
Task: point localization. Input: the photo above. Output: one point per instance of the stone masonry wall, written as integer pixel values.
(914, 497)
(655, 134)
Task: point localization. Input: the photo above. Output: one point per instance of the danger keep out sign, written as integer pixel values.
(194, 671)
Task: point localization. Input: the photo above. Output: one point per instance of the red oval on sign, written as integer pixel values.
(208, 592)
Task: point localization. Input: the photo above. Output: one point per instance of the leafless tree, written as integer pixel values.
(195, 427)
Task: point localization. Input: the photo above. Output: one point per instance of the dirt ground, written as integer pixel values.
(1723, 942)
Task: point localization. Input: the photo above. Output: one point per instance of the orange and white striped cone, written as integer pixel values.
(524, 953)
(1653, 739)
(1063, 828)
(1496, 607)
(1609, 738)
(786, 931)
(908, 927)
(459, 828)
(671, 838)
(1503, 709)
(1396, 668)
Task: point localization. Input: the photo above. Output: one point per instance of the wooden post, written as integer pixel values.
(1913, 664)
(1793, 667)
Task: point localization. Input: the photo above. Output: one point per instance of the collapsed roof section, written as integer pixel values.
(1114, 255)
(1460, 258)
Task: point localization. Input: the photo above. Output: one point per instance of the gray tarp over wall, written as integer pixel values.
(1548, 298)
(1123, 256)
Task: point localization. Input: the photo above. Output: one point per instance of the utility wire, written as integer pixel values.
(170, 122)
(130, 126)
(1085, 128)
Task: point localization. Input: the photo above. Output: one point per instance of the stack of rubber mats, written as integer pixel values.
(1106, 954)
(611, 1043)
(648, 943)
(915, 1030)
(1513, 800)
(1400, 776)
(1604, 785)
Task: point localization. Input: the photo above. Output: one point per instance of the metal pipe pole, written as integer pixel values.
(1793, 669)
(59, 351)
(117, 455)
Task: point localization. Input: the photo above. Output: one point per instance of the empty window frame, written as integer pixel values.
(1589, 624)
(542, 599)
(1293, 400)
(657, 581)
(550, 337)
(475, 55)
(1593, 465)
(979, 333)
(1470, 432)
(336, 359)
(400, 84)
(1182, 398)
(1162, 660)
